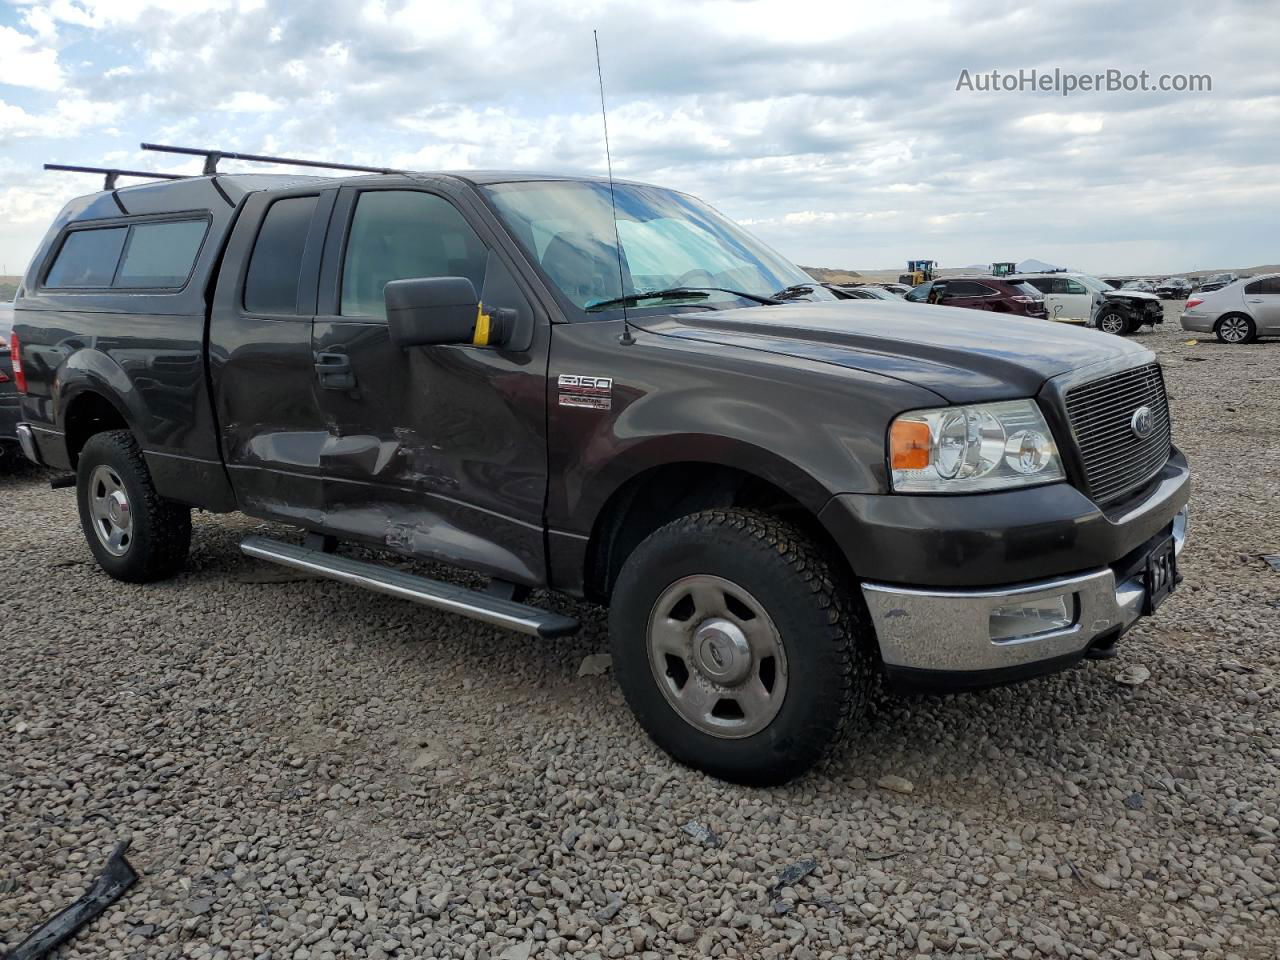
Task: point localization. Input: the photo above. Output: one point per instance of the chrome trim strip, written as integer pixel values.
(27, 442)
(406, 586)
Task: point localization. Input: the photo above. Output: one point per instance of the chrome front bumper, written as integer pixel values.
(950, 630)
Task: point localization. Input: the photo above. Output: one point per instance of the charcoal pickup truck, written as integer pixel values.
(616, 394)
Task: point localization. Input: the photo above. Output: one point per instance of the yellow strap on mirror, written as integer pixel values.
(481, 337)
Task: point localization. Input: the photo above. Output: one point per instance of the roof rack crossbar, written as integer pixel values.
(110, 174)
(211, 158)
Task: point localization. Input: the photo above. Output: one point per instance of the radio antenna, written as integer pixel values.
(626, 339)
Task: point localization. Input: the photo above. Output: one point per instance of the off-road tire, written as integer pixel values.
(161, 528)
(829, 646)
(1250, 327)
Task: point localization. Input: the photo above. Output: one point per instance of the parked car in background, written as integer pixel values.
(996, 294)
(8, 389)
(1144, 286)
(1174, 288)
(871, 293)
(1125, 311)
(897, 289)
(1216, 282)
(1239, 312)
(1068, 297)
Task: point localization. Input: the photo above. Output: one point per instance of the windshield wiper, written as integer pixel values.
(676, 293)
(793, 291)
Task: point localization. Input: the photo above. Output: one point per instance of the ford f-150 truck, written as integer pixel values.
(611, 391)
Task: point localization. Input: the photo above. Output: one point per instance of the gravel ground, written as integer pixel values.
(309, 771)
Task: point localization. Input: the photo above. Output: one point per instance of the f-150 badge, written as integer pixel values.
(594, 393)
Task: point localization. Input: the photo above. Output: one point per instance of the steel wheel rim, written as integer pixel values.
(1234, 330)
(111, 511)
(717, 656)
(1111, 323)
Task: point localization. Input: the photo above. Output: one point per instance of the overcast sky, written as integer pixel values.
(834, 130)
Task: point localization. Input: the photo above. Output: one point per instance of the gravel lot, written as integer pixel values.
(309, 771)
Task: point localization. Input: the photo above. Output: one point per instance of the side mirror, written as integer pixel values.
(442, 310)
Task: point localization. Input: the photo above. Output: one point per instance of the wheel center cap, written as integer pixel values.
(118, 510)
(721, 652)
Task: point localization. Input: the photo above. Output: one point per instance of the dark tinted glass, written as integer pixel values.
(1025, 290)
(161, 254)
(88, 258)
(401, 234)
(968, 288)
(271, 285)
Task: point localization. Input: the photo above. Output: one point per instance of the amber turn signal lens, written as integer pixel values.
(909, 445)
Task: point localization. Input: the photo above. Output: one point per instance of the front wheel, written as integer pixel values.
(1114, 322)
(741, 650)
(135, 534)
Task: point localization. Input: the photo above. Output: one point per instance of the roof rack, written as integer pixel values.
(112, 173)
(211, 158)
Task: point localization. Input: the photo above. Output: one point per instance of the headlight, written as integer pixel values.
(988, 446)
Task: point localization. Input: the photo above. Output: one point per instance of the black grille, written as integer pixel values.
(1116, 460)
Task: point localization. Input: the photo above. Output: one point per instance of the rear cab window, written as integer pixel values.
(144, 255)
(88, 258)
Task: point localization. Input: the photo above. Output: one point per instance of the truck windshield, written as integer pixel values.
(669, 240)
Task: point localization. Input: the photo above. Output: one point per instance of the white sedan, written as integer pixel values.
(1238, 313)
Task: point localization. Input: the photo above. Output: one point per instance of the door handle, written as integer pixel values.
(1259, 300)
(334, 371)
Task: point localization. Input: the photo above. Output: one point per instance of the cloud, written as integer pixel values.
(840, 139)
(26, 62)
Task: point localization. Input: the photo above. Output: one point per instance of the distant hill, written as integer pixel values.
(827, 275)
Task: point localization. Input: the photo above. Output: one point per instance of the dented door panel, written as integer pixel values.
(437, 452)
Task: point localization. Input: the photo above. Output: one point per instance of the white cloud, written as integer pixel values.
(248, 101)
(839, 138)
(68, 118)
(26, 62)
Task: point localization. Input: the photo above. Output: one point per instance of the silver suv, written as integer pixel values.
(1238, 313)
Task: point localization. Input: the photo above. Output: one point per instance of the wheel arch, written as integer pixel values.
(87, 412)
(654, 496)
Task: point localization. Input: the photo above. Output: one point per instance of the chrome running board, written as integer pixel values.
(396, 583)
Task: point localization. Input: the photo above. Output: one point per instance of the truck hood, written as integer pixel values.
(964, 356)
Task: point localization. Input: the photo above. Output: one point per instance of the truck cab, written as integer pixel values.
(609, 390)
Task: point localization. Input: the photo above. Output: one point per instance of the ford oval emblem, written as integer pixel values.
(1143, 423)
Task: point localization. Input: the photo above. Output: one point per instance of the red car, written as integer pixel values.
(983, 293)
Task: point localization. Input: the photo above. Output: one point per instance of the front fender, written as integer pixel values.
(811, 429)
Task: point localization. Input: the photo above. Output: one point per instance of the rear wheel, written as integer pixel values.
(1115, 322)
(740, 649)
(135, 534)
(1236, 328)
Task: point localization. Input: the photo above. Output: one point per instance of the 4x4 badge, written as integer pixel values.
(1143, 423)
(593, 393)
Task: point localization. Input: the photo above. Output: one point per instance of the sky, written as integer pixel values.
(834, 131)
